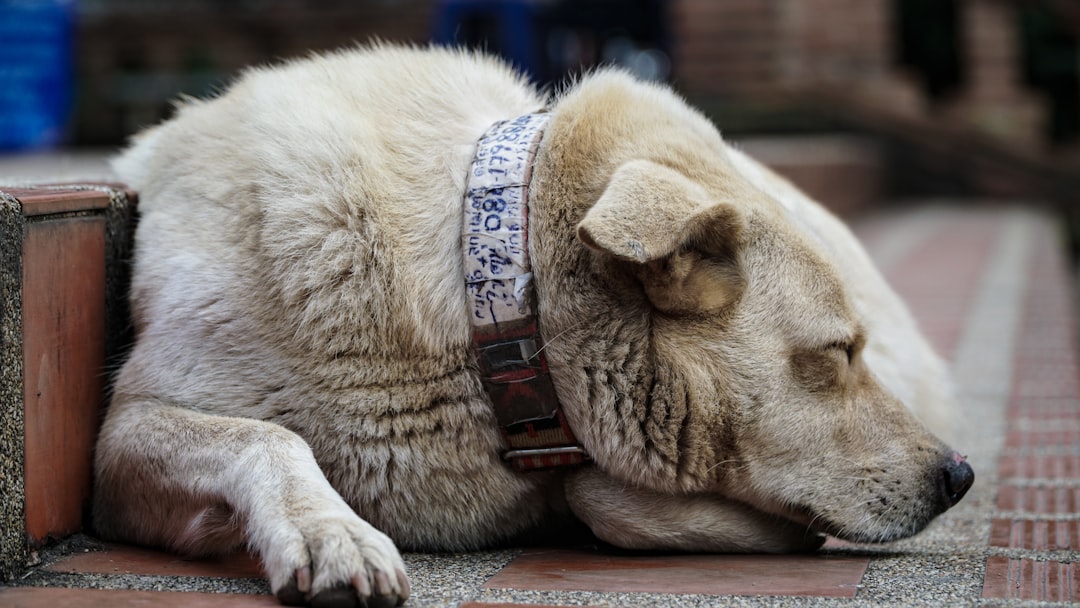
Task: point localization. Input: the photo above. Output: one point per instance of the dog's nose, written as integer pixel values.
(957, 477)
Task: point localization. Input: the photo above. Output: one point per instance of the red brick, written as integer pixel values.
(806, 575)
(1040, 408)
(1027, 579)
(63, 304)
(39, 597)
(1041, 439)
(1049, 466)
(1035, 535)
(52, 201)
(1044, 385)
(1038, 499)
(123, 559)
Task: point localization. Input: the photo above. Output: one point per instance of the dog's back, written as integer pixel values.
(299, 262)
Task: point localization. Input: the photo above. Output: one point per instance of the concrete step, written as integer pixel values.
(62, 268)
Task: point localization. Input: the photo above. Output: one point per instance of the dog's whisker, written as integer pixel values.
(555, 337)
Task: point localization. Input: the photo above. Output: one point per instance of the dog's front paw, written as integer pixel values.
(336, 559)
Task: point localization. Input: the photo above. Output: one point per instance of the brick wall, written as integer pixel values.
(725, 48)
(753, 50)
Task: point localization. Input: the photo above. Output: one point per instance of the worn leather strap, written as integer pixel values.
(502, 302)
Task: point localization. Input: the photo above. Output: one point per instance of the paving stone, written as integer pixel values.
(1058, 408)
(44, 597)
(1037, 535)
(814, 575)
(1055, 466)
(1033, 580)
(123, 559)
(1020, 438)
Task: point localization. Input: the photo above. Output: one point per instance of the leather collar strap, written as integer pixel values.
(502, 302)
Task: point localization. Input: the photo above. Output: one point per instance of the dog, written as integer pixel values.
(373, 289)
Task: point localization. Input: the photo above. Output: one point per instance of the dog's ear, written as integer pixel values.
(682, 244)
(646, 213)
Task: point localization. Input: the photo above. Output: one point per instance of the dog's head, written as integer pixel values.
(705, 340)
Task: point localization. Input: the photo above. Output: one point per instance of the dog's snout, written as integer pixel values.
(956, 478)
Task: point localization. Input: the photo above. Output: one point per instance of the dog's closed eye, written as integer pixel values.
(850, 347)
(847, 348)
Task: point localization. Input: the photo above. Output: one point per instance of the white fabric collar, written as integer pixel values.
(502, 302)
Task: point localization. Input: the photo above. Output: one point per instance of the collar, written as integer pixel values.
(502, 302)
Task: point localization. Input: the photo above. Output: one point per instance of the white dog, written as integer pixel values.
(373, 289)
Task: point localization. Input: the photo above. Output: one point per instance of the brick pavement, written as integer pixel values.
(992, 289)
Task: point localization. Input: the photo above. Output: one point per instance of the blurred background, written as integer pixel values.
(856, 100)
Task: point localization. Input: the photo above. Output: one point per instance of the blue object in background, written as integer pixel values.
(502, 27)
(35, 72)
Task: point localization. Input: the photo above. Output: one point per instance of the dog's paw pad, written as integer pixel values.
(294, 593)
(291, 594)
(336, 597)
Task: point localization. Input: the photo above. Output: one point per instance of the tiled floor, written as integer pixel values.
(994, 292)
(1038, 500)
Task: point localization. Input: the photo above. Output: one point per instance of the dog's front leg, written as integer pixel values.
(634, 518)
(200, 484)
